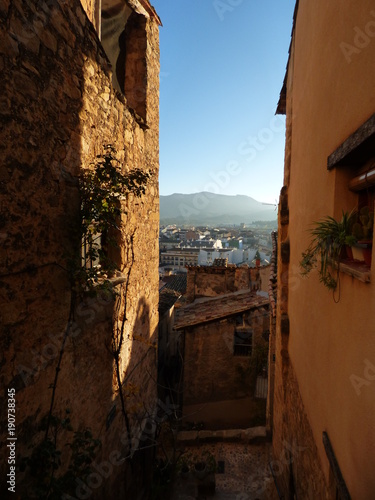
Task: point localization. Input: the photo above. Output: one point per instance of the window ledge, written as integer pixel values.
(113, 281)
(357, 270)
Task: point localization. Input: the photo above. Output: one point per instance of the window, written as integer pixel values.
(90, 253)
(123, 36)
(243, 342)
(364, 185)
(354, 161)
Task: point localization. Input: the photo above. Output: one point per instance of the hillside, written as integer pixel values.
(211, 209)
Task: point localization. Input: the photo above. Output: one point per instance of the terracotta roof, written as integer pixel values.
(167, 298)
(176, 282)
(151, 10)
(281, 106)
(210, 309)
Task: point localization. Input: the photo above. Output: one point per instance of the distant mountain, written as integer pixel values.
(210, 209)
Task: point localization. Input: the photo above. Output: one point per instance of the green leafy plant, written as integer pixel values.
(329, 237)
(103, 190)
(48, 481)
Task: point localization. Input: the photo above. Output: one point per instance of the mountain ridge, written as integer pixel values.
(210, 208)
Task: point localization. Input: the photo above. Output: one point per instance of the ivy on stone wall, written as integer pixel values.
(49, 478)
(103, 190)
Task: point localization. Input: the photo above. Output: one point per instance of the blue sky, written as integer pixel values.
(222, 68)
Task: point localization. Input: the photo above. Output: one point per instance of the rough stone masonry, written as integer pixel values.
(58, 108)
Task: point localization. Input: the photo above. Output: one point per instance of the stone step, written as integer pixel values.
(250, 435)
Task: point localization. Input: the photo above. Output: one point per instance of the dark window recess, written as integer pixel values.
(123, 36)
(239, 320)
(357, 149)
(220, 467)
(355, 158)
(243, 343)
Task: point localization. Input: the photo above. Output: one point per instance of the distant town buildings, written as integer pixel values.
(201, 246)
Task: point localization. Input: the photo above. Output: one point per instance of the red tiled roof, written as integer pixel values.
(210, 309)
(281, 106)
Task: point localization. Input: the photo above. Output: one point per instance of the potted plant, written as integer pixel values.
(362, 230)
(329, 238)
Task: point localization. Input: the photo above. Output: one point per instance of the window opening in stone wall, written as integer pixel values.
(364, 185)
(354, 160)
(123, 36)
(243, 343)
(239, 320)
(88, 250)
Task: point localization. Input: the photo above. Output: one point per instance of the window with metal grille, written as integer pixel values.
(243, 342)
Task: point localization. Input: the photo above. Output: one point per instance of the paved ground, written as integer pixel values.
(246, 476)
(235, 413)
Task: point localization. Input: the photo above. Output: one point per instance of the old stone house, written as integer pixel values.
(324, 400)
(220, 332)
(75, 76)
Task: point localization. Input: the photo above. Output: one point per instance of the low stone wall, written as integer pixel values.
(211, 281)
(251, 435)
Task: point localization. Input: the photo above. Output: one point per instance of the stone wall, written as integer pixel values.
(296, 462)
(211, 371)
(204, 281)
(57, 109)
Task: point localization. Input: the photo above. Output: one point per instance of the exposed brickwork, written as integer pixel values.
(296, 461)
(212, 281)
(211, 371)
(294, 448)
(272, 293)
(57, 110)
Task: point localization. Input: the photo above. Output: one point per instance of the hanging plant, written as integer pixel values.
(329, 238)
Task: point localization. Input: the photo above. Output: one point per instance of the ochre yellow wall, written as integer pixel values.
(329, 98)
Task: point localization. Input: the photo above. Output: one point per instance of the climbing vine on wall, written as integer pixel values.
(103, 190)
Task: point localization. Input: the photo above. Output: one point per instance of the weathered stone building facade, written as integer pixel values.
(220, 332)
(59, 105)
(211, 281)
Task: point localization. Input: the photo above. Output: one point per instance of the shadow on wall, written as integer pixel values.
(52, 125)
(42, 85)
